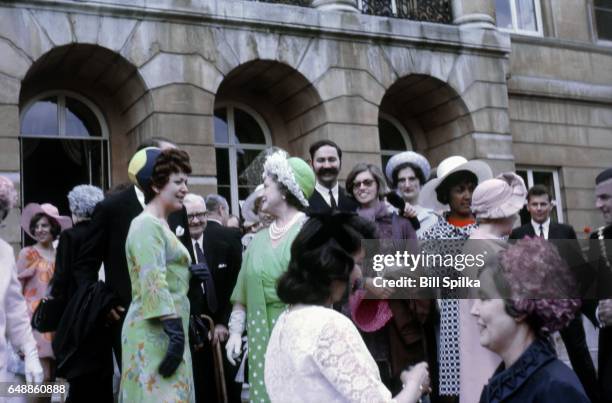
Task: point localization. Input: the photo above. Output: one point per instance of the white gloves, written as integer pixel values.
(237, 323)
(33, 369)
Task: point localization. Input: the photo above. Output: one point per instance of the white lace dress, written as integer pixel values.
(316, 354)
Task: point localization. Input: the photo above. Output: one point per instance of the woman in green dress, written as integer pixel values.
(156, 366)
(288, 183)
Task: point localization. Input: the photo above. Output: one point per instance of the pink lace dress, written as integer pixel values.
(35, 272)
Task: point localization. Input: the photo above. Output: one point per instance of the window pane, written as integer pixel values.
(80, 120)
(249, 172)
(603, 3)
(390, 137)
(225, 192)
(221, 136)
(503, 14)
(41, 119)
(247, 129)
(525, 15)
(223, 166)
(603, 20)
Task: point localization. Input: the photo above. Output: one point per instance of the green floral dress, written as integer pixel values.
(158, 265)
(262, 265)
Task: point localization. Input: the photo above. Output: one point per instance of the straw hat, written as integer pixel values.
(369, 314)
(428, 196)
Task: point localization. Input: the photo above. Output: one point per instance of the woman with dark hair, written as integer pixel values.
(288, 183)
(398, 342)
(36, 265)
(517, 326)
(156, 366)
(451, 190)
(315, 354)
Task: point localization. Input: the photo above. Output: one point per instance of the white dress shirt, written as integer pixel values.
(140, 196)
(200, 242)
(545, 225)
(325, 192)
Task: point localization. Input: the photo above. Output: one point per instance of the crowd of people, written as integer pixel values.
(152, 293)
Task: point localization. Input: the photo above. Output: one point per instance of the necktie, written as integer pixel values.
(541, 231)
(209, 285)
(332, 201)
(199, 252)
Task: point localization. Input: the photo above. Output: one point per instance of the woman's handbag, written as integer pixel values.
(47, 315)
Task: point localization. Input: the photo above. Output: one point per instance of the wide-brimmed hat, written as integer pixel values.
(407, 157)
(292, 172)
(429, 197)
(46, 208)
(248, 207)
(369, 314)
(501, 197)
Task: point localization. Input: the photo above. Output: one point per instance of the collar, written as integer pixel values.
(545, 226)
(214, 220)
(506, 382)
(199, 241)
(140, 196)
(324, 191)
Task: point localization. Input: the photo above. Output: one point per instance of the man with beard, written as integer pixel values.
(326, 160)
(599, 310)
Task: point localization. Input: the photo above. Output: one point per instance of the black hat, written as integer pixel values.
(603, 176)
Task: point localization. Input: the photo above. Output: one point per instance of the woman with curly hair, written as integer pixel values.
(156, 366)
(531, 277)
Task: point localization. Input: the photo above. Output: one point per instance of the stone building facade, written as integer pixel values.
(82, 83)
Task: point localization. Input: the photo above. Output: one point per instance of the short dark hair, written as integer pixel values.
(321, 143)
(153, 142)
(321, 253)
(456, 178)
(55, 226)
(539, 190)
(417, 171)
(214, 201)
(377, 174)
(290, 198)
(171, 161)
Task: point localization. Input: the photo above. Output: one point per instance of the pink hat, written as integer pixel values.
(500, 197)
(46, 208)
(369, 314)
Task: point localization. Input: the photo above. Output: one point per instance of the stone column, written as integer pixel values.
(474, 13)
(336, 5)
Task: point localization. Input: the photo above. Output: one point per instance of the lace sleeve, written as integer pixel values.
(346, 363)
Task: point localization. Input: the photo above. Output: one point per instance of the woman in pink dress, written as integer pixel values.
(36, 264)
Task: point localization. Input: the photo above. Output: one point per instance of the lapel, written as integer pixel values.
(530, 230)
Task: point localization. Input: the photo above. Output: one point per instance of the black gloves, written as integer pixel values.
(176, 345)
(200, 271)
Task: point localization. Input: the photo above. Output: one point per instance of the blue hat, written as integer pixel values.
(141, 166)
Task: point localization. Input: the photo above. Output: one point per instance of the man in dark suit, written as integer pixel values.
(599, 310)
(326, 161)
(222, 250)
(539, 205)
(106, 244)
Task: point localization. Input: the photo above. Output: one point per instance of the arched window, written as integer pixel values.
(64, 143)
(393, 138)
(240, 135)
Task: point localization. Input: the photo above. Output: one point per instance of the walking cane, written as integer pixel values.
(218, 361)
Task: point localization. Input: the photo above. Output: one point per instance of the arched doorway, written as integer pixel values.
(64, 143)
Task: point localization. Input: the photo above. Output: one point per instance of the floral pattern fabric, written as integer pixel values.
(35, 273)
(158, 267)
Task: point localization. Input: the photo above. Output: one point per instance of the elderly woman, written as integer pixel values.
(399, 342)
(315, 353)
(288, 183)
(495, 203)
(14, 320)
(517, 326)
(87, 369)
(156, 366)
(36, 265)
(451, 190)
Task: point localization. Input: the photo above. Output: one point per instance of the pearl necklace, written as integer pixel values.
(277, 232)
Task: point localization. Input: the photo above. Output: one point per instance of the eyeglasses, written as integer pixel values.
(199, 216)
(366, 182)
